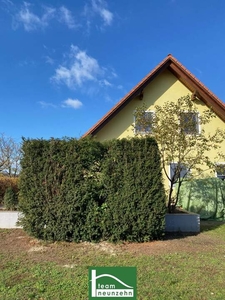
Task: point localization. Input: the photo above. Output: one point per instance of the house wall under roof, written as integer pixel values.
(205, 193)
(163, 88)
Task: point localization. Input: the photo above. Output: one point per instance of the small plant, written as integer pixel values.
(10, 199)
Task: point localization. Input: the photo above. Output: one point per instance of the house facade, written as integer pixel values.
(169, 80)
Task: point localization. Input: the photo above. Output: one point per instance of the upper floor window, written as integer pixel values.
(143, 123)
(189, 122)
(220, 170)
(178, 170)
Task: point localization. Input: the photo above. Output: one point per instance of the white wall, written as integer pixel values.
(8, 219)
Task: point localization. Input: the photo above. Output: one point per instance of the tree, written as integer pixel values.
(184, 145)
(10, 155)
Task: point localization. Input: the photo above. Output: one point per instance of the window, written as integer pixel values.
(178, 171)
(145, 124)
(189, 122)
(220, 171)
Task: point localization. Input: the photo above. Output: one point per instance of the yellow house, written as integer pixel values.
(169, 80)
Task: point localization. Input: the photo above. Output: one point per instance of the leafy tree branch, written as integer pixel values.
(179, 130)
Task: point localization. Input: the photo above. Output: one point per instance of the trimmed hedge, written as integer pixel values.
(84, 190)
(134, 191)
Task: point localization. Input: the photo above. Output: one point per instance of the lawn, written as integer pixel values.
(178, 267)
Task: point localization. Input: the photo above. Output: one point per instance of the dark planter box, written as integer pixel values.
(182, 222)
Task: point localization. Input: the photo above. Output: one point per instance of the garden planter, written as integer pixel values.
(182, 222)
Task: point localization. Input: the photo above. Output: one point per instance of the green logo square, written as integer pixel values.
(112, 283)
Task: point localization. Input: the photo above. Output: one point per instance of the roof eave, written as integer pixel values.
(194, 85)
(185, 76)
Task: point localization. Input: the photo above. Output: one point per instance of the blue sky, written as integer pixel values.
(64, 64)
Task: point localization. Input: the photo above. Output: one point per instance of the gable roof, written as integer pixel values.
(185, 76)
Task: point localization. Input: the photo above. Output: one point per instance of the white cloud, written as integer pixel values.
(7, 6)
(7, 3)
(73, 103)
(114, 74)
(27, 63)
(100, 7)
(49, 13)
(47, 104)
(97, 8)
(199, 71)
(69, 103)
(66, 17)
(108, 98)
(105, 82)
(49, 60)
(80, 69)
(31, 21)
(82, 72)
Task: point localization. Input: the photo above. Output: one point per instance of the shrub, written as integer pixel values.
(10, 199)
(5, 183)
(84, 190)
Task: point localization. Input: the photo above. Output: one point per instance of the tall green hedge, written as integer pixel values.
(83, 190)
(134, 191)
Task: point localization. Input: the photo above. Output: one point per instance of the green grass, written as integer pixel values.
(176, 275)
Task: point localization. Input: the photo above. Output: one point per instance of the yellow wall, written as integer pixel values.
(163, 88)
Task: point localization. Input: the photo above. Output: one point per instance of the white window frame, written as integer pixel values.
(143, 132)
(216, 174)
(198, 125)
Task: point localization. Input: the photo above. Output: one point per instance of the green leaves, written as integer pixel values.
(179, 130)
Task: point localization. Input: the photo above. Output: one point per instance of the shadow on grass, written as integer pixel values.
(208, 225)
(205, 226)
(177, 235)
